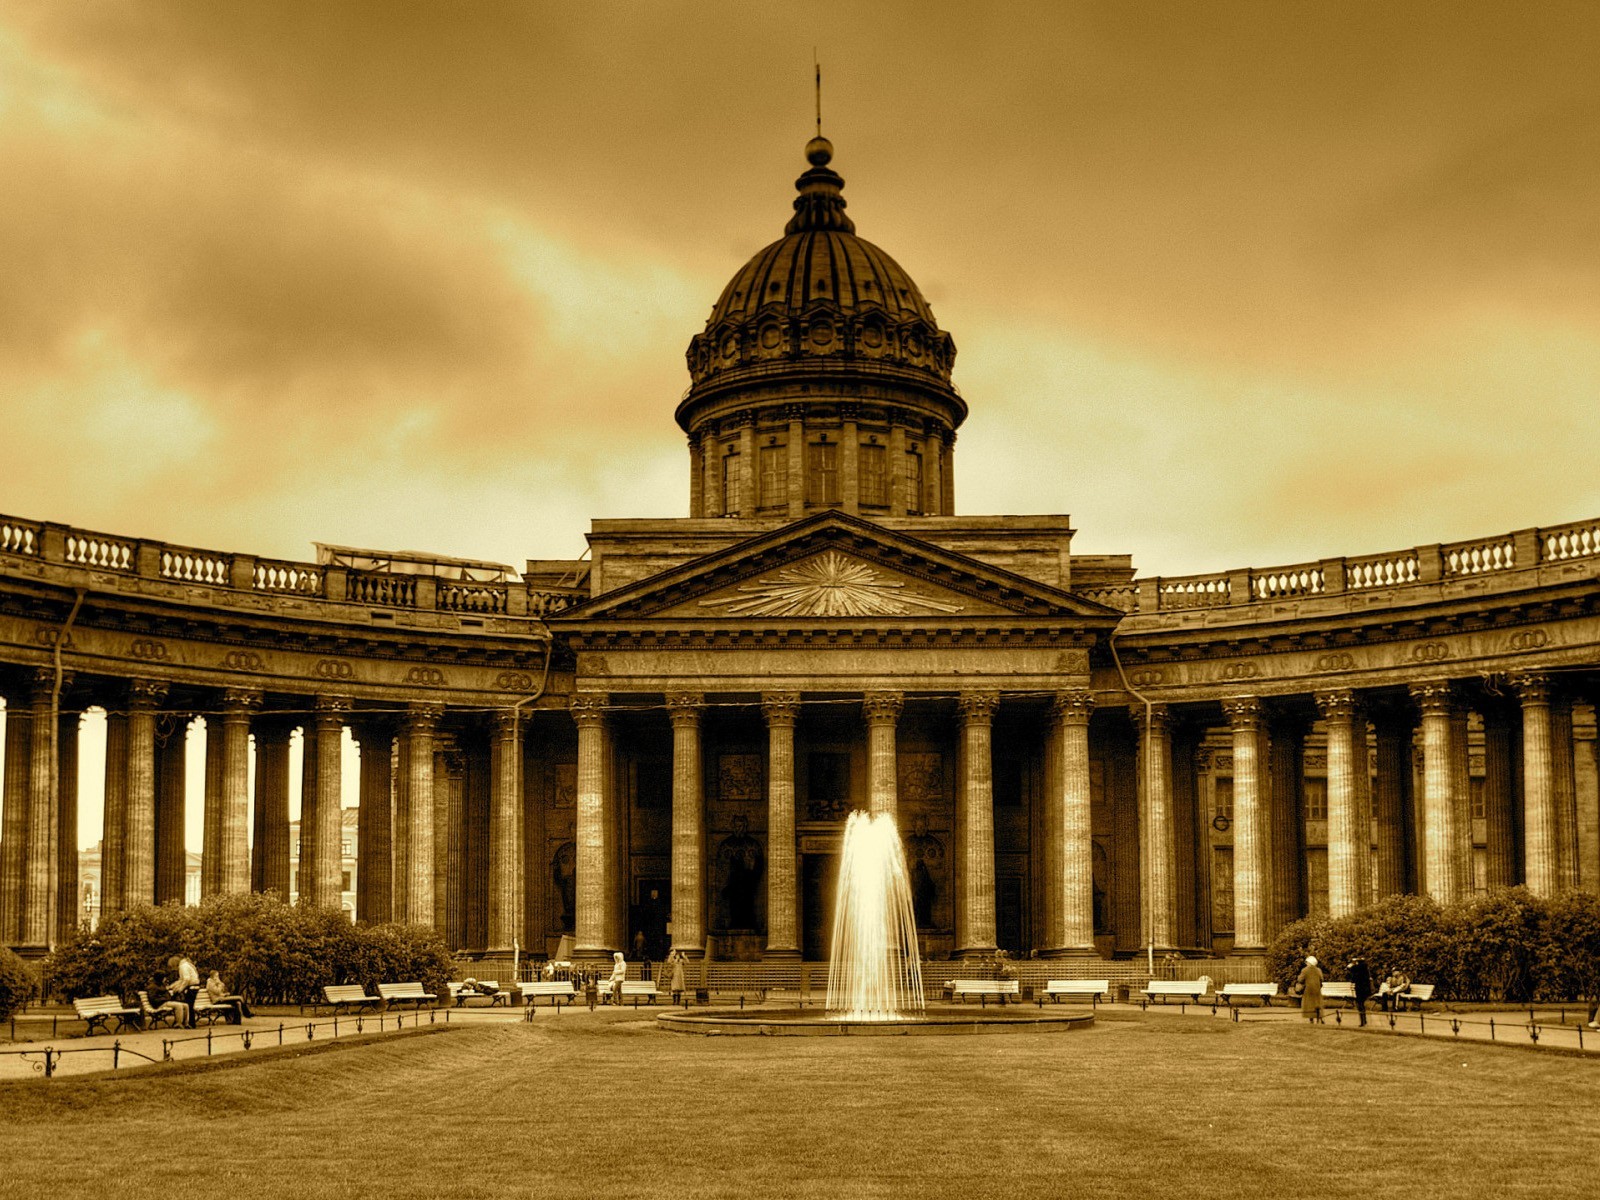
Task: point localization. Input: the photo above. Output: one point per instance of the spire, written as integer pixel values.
(820, 204)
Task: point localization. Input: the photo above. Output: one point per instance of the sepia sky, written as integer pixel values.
(1231, 283)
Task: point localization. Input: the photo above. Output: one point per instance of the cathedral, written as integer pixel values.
(655, 746)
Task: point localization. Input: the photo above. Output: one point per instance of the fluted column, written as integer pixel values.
(39, 900)
(328, 820)
(1564, 790)
(422, 721)
(14, 832)
(172, 769)
(139, 850)
(593, 883)
(1540, 867)
(1252, 870)
(1498, 785)
(781, 711)
(233, 876)
(975, 914)
(374, 840)
(306, 869)
(269, 860)
(1437, 702)
(688, 825)
(211, 815)
(1349, 866)
(1461, 790)
(505, 831)
(1155, 754)
(451, 863)
(1069, 795)
(1286, 761)
(882, 711)
(400, 904)
(68, 912)
(114, 835)
(1390, 802)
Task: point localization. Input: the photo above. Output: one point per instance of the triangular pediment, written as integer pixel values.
(834, 568)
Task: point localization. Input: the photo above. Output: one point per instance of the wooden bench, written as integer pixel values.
(1002, 989)
(460, 993)
(1416, 995)
(1183, 989)
(1096, 988)
(225, 1009)
(102, 1010)
(348, 995)
(1341, 990)
(405, 993)
(1242, 991)
(151, 1017)
(636, 988)
(555, 989)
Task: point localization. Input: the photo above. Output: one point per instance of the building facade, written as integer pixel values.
(658, 746)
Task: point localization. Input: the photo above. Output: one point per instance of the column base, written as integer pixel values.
(780, 956)
(975, 952)
(1082, 953)
(1248, 952)
(592, 954)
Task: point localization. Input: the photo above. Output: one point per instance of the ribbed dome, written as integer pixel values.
(820, 267)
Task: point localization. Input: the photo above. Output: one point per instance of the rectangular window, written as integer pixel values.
(913, 482)
(344, 882)
(822, 473)
(344, 849)
(1222, 785)
(872, 469)
(774, 476)
(732, 478)
(1316, 793)
(1477, 799)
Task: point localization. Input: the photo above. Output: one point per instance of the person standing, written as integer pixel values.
(619, 973)
(185, 986)
(676, 960)
(1309, 986)
(1360, 983)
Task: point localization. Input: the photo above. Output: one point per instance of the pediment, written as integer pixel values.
(834, 568)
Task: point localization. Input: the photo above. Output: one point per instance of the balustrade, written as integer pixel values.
(18, 537)
(473, 597)
(274, 576)
(1202, 591)
(98, 550)
(194, 566)
(1279, 583)
(1578, 540)
(1381, 570)
(389, 591)
(1480, 556)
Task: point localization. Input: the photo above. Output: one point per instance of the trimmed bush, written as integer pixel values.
(17, 983)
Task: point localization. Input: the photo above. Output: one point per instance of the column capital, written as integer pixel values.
(1244, 713)
(240, 701)
(1338, 706)
(882, 708)
(977, 706)
(1157, 716)
(145, 694)
(506, 722)
(364, 729)
(42, 685)
(780, 708)
(684, 708)
(588, 710)
(1436, 698)
(1073, 707)
(1532, 687)
(331, 711)
(422, 717)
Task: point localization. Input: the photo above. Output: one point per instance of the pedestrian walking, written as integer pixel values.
(1360, 983)
(1309, 985)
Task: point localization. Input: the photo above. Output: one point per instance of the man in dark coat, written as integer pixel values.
(1361, 983)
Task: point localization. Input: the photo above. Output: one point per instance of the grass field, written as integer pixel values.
(609, 1107)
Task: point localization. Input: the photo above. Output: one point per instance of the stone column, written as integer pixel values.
(1440, 859)
(1498, 786)
(211, 820)
(593, 883)
(1390, 803)
(781, 710)
(688, 825)
(327, 823)
(1286, 798)
(882, 711)
(1540, 867)
(975, 917)
(306, 870)
(172, 778)
(1069, 795)
(453, 827)
(1155, 757)
(794, 414)
(38, 898)
(14, 832)
(269, 865)
(401, 878)
(375, 871)
(113, 839)
(1252, 871)
(1461, 789)
(139, 850)
(1564, 790)
(505, 832)
(233, 876)
(68, 909)
(1349, 864)
(422, 720)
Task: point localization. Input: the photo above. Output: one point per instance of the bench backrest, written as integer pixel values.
(1341, 990)
(90, 1005)
(1253, 989)
(396, 991)
(1178, 987)
(1083, 987)
(334, 993)
(1419, 991)
(984, 985)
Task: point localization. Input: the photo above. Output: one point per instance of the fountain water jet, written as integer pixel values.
(874, 969)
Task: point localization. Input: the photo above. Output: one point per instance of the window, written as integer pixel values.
(913, 482)
(1222, 787)
(873, 476)
(1316, 793)
(774, 476)
(1478, 811)
(732, 479)
(344, 848)
(344, 881)
(822, 473)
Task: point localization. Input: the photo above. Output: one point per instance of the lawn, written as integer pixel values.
(607, 1106)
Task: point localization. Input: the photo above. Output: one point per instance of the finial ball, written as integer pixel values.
(819, 151)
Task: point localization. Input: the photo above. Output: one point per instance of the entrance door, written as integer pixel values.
(819, 874)
(1011, 915)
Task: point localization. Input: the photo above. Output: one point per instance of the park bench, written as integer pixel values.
(152, 1017)
(638, 989)
(460, 993)
(1342, 990)
(212, 1011)
(405, 993)
(348, 995)
(102, 1010)
(1240, 991)
(1416, 995)
(1001, 989)
(555, 989)
(1183, 989)
(1095, 988)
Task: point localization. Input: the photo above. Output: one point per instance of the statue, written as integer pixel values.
(564, 874)
(926, 855)
(740, 864)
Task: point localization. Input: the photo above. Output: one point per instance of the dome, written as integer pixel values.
(820, 268)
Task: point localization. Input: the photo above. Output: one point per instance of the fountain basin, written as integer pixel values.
(936, 1021)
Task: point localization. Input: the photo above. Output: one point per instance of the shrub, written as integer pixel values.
(1568, 958)
(17, 983)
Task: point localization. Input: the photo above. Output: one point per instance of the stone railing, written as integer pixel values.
(1520, 550)
(44, 541)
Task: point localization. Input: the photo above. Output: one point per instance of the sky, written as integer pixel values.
(1231, 283)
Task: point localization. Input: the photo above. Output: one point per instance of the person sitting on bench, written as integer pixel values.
(1389, 990)
(217, 993)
